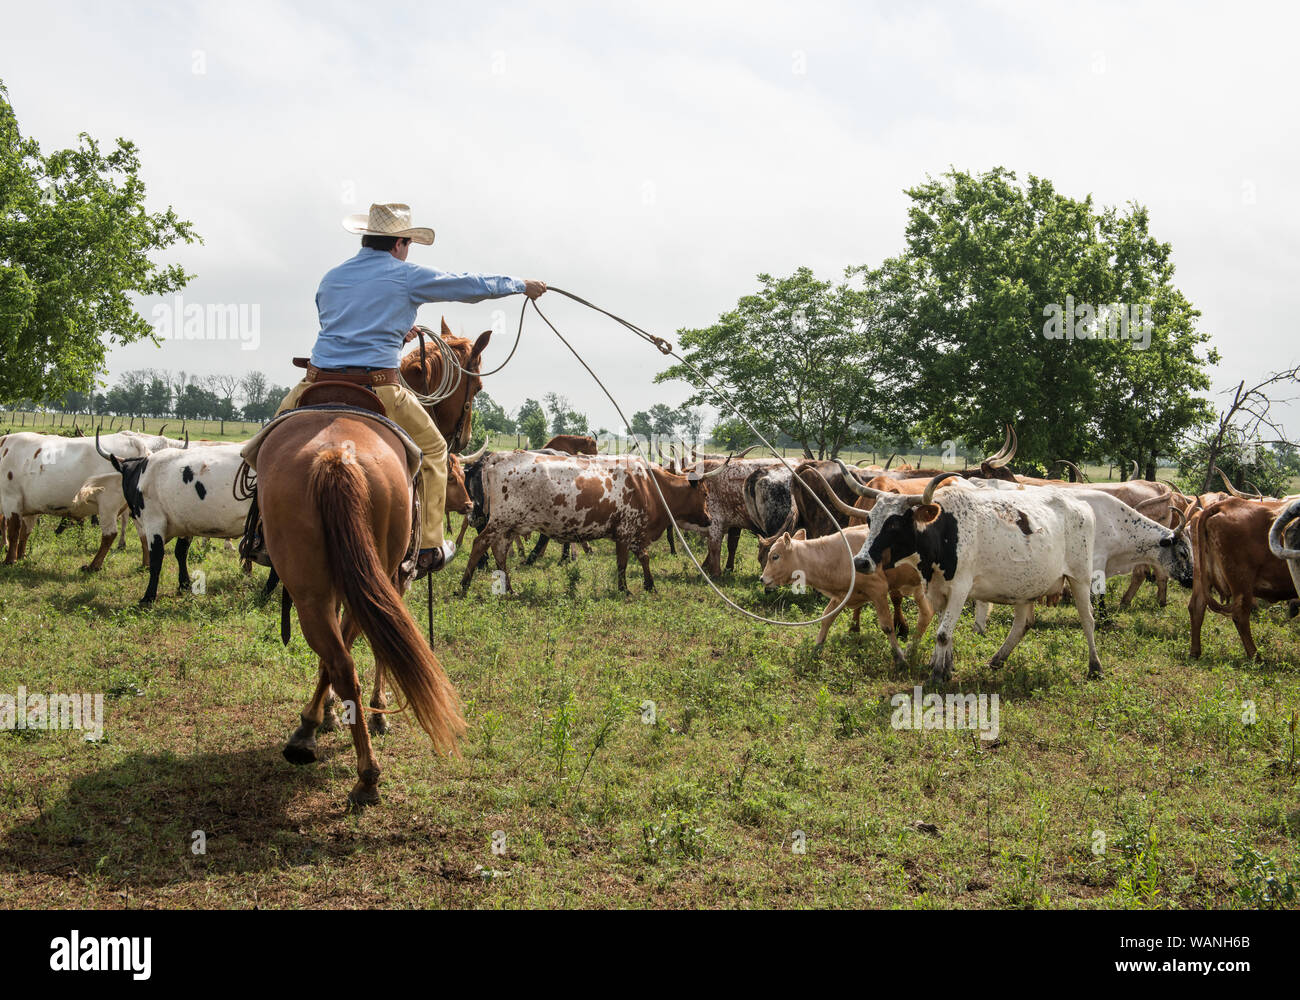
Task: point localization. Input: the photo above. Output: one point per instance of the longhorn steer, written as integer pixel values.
(728, 514)
(43, 473)
(578, 499)
(1001, 547)
(182, 493)
(572, 444)
(1233, 559)
(1123, 540)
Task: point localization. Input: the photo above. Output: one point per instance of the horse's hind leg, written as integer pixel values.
(320, 627)
(301, 748)
(378, 721)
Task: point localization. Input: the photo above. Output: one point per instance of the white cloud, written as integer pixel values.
(654, 157)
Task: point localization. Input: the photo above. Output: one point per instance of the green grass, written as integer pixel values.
(756, 736)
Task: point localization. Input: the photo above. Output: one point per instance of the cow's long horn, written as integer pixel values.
(1162, 498)
(1134, 473)
(1180, 524)
(1083, 478)
(839, 504)
(468, 459)
(890, 461)
(1008, 451)
(109, 456)
(743, 453)
(1252, 486)
(1276, 540)
(1232, 489)
(1001, 452)
(928, 495)
(187, 440)
(851, 481)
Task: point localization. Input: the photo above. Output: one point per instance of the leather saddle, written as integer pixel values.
(340, 389)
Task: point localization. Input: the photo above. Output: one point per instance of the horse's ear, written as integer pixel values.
(446, 330)
(480, 344)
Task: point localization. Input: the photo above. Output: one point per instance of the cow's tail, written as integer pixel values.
(338, 488)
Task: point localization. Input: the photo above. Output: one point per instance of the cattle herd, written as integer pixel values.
(938, 537)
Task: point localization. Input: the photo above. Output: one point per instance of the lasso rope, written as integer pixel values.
(667, 348)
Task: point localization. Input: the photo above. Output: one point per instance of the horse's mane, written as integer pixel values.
(410, 363)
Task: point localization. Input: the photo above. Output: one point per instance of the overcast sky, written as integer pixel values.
(656, 158)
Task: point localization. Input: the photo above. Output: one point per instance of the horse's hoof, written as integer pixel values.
(329, 722)
(362, 796)
(300, 753)
(378, 724)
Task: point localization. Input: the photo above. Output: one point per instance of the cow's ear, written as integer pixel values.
(785, 536)
(800, 535)
(480, 344)
(927, 512)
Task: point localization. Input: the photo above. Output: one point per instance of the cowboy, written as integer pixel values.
(367, 307)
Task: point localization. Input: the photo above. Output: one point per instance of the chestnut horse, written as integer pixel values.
(336, 516)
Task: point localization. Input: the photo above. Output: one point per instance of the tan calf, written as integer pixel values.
(825, 565)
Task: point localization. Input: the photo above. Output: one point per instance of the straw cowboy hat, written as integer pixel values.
(393, 219)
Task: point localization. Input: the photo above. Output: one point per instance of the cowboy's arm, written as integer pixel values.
(425, 284)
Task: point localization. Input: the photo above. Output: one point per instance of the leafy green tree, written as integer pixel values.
(976, 298)
(157, 397)
(490, 416)
(690, 419)
(564, 418)
(75, 245)
(663, 420)
(732, 435)
(531, 422)
(642, 425)
(800, 356)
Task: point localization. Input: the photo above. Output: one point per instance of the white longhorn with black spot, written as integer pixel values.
(1122, 540)
(1004, 547)
(183, 493)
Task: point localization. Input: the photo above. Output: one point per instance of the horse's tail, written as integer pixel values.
(340, 492)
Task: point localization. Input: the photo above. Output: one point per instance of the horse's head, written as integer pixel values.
(454, 414)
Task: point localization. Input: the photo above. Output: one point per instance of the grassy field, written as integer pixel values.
(1145, 789)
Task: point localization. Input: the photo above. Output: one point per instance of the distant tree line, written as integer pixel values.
(152, 392)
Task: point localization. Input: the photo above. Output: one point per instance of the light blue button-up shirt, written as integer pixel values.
(367, 304)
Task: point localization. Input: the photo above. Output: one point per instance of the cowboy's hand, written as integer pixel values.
(534, 288)
(411, 334)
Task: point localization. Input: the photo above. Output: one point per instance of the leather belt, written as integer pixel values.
(380, 376)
